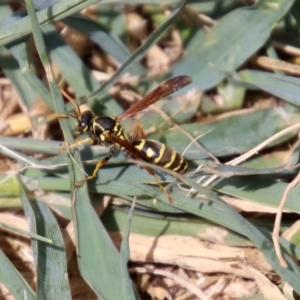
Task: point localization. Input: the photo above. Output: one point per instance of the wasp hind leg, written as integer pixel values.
(151, 172)
(138, 132)
(170, 199)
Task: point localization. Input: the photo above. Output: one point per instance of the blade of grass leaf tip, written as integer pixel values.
(13, 280)
(50, 259)
(98, 259)
(125, 255)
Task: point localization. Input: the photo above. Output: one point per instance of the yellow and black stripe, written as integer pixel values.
(107, 131)
(161, 155)
(101, 126)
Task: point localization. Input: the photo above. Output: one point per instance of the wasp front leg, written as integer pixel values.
(77, 143)
(101, 163)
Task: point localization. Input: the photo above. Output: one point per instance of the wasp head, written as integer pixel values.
(84, 122)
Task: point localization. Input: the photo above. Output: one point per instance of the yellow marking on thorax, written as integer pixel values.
(117, 127)
(122, 135)
(95, 124)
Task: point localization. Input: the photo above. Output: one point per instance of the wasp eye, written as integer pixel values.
(82, 124)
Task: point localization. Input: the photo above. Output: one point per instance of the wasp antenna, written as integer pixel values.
(72, 101)
(78, 108)
(70, 115)
(66, 95)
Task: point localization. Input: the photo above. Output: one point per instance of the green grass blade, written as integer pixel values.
(73, 70)
(141, 51)
(262, 241)
(59, 10)
(25, 233)
(262, 191)
(125, 254)
(50, 259)
(231, 135)
(99, 267)
(282, 86)
(104, 39)
(236, 37)
(13, 280)
(28, 144)
(156, 222)
(12, 70)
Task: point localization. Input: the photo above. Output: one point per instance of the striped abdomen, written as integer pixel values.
(161, 155)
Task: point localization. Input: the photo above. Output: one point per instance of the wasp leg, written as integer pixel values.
(138, 132)
(101, 163)
(77, 143)
(151, 172)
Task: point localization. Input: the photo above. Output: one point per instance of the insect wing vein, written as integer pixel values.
(165, 89)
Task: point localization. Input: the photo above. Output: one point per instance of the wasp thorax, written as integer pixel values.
(84, 122)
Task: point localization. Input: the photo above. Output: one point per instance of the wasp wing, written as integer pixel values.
(165, 89)
(134, 152)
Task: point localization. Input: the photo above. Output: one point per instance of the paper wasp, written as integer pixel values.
(107, 131)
